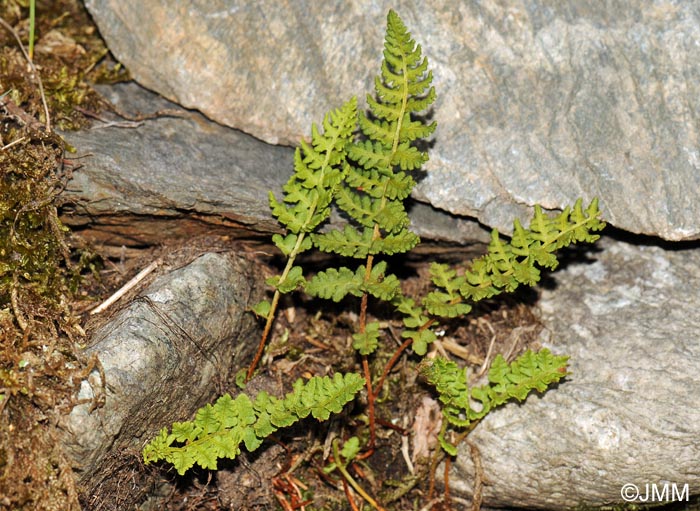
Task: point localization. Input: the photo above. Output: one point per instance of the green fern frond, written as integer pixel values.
(218, 430)
(416, 104)
(415, 320)
(530, 371)
(510, 264)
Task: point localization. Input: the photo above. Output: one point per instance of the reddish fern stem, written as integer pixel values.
(397, 354)
(263, 338)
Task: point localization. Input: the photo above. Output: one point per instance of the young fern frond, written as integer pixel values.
(318, 170)
(506, 265)
(530, 371)
(219, 429)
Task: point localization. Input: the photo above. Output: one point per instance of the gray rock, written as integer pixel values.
(629, 413)
(176, 177)
(170, 176)
(539, 102)
(165, 355)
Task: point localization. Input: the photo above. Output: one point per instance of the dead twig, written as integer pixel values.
(14, 142)
(487, 360)
(126, 287)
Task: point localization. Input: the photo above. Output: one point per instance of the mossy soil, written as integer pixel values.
(41, 264)
(49, 278)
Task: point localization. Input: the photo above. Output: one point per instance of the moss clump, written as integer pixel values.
(33, 251)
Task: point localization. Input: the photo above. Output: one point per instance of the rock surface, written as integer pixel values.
(165, 355)
(175, 177)
(538, 102)
(629, 413)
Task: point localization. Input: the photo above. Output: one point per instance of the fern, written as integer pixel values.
(531, 371)
(219, 429)
(364, 165)
(507, 265)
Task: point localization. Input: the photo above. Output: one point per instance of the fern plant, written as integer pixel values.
(363, 164)
(375, 186)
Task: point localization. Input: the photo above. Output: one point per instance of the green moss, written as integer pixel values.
(40, 362)
(33, 251)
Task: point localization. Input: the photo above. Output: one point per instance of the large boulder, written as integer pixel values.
(629, 414)
(538, 102)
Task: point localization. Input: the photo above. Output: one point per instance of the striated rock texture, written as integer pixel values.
(629, 413)
(166, 354)
(538, 101)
